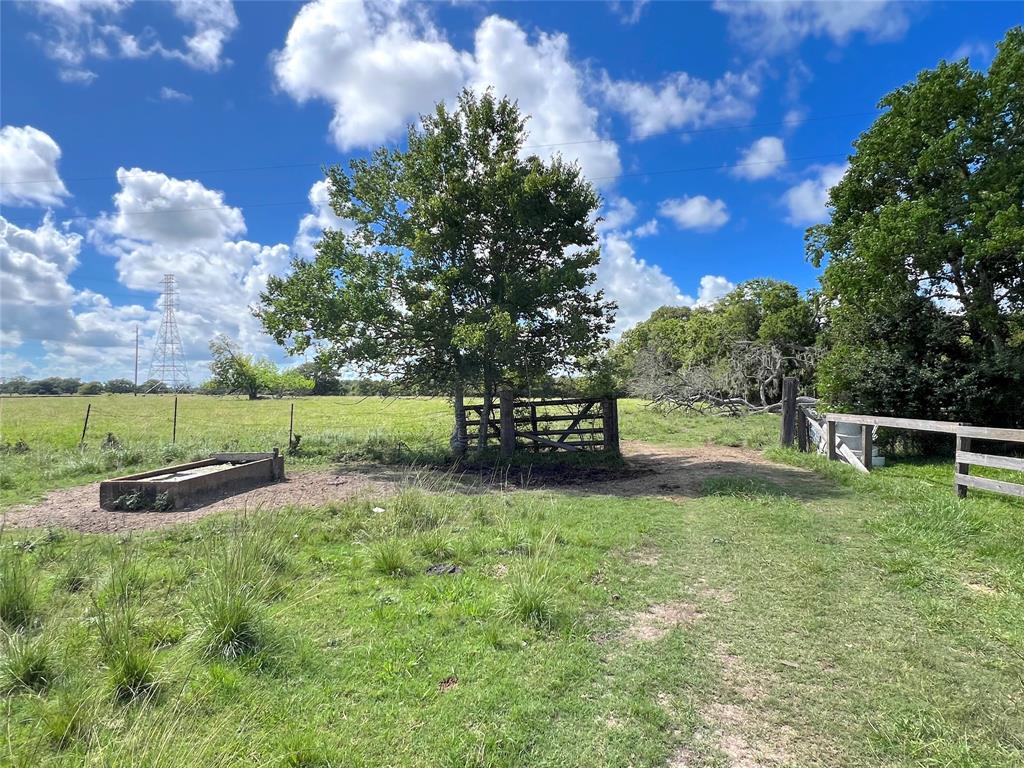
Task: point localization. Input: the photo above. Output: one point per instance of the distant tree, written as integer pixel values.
(731, 356)
(236, 372)
(91, 388)
(325, 380)
(17, 385)
(931, 207)
(153, 387)
(468, 264)
(119, 386)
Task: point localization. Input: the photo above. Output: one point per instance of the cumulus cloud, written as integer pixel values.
(628, 11)
(35, 295)
(77, 31)
(380, 65)
(764, 158)
(807, 202)
(155, 207)
(28, 167)
(683, 101)
(773, 27)
(549, 88)
(699, 212)
(712, 288)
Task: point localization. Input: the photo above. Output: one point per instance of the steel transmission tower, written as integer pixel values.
(168, 363)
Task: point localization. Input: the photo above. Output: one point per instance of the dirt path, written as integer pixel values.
(651, 470)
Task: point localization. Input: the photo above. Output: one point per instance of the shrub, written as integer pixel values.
(529, 598)
(18, 583)
(27, 662)
(391, 558)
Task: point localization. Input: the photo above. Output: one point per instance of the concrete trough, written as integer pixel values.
(190, 484)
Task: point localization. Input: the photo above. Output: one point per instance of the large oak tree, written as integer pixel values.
(927, 237)
(467, 263)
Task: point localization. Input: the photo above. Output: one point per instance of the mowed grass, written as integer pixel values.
(332, 429)
(860, 621)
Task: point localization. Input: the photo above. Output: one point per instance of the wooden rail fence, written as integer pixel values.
(801, 423)
(564, 424)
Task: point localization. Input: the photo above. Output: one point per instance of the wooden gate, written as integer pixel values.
(565, 424)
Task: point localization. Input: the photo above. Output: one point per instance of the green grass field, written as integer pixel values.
(845, 621)
(405, 430)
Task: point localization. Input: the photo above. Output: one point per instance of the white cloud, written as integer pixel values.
(170, 94)
(35, 296)
(772, 27)
(155, 207)
(77, 31)
(549, 88)
(380, 65)
(376, 65)
(637, 287)
(646, 229)
(683, 101)
(628, 11)
(712, 288)
(977, 52)
(764, 158)
(699, 212)
(312, 225)
(28, 167)
(807, 202)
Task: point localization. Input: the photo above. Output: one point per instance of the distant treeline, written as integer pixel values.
(57, 385)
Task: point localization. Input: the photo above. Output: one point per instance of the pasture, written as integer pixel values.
(782, 611)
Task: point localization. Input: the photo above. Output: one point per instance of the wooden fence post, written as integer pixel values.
(867, 447)
(830, 434)
(507, 423)
(962, 444)
(801, 429)
(174, 427)
(291, 427)
(85, 426)
(610, 423)
(789, 385)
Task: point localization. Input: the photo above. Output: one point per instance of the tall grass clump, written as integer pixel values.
(65, 720)
(131, 663)
(27, 662)
(78, 570)
(18, 584)
(240, 572)
(529, 598)
(391, 557)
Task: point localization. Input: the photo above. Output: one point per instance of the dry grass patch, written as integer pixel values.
(658, 620)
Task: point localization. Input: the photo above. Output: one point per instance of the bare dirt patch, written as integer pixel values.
(78, 508)
(658, 620)
(681, 473)
(980, 589)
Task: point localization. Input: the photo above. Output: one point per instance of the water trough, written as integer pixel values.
(185, 485)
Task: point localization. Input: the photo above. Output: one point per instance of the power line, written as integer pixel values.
(307, 201)
(285, 166)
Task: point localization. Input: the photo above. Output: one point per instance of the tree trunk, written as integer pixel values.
(485, 415)
(459, 442)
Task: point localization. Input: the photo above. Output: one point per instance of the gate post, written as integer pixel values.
(788, 411)
(507, 424)
(610, 423)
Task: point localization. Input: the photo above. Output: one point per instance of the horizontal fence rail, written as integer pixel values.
(821, 432)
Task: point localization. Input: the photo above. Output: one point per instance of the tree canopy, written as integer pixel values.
(932, 207)
(235, 371)
(462, 263)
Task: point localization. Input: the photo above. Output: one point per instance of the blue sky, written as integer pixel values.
(144, 138)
